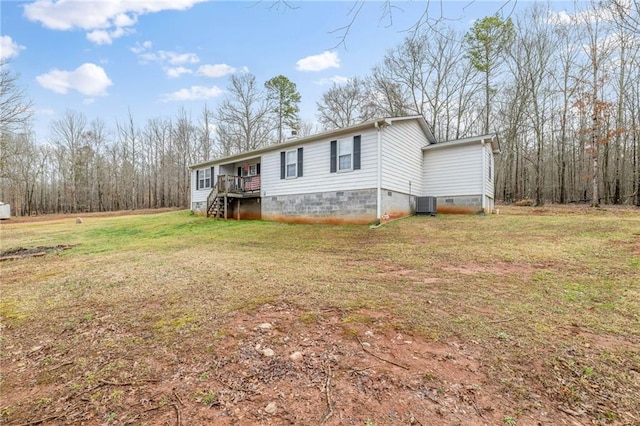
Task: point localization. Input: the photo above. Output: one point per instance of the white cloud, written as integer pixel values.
(319, 62)
(337, 79)
(216, 70)
(88, 79)
(172, 61)
(176, 72)
(602, 13)
(107, 37)
(179, 58)
(173, 58)
(560, 18)
(97, 15)
(9, 48)
(124, 20)
(99, 37)
(139, 48)
(88, 101)
(192, 94)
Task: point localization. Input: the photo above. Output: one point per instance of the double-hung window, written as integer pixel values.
(292, 164)
(204, 178)
(345, 154)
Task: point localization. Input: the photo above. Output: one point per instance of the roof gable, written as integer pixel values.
(488, 138)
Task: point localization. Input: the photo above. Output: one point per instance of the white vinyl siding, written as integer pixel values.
(453, 171)
(317, 174)
(489, 171)
(402, 144)
(200, 194)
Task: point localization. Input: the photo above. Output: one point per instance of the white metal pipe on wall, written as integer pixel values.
(379, 177)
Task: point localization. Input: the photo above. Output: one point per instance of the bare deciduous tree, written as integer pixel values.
(67, 134)
(346, 104)
(243, 116)
(15, 106)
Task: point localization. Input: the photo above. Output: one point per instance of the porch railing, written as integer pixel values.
(238, 184)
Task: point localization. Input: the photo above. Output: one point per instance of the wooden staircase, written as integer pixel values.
(229, 188)
(216, 203)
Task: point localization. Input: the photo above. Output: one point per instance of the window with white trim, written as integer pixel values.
(292, 164)
(345, 154)
(250, 170)
(204, 178)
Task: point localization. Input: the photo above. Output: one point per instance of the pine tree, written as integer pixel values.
(284, 97)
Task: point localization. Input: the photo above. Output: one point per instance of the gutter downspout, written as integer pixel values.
(379, 178)
(484, 170)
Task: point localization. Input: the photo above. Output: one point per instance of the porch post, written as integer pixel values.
(225, 206)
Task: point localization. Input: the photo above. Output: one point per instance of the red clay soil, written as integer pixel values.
(274, 366)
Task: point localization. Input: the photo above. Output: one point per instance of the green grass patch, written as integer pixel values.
(562, 288)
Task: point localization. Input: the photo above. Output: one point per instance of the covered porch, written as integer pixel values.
(236, 192)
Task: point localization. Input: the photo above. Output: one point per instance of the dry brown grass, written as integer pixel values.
(546, 301)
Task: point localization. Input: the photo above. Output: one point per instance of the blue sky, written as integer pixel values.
(154, 56)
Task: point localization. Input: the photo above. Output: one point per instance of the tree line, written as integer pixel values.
(562, 92)
(85, 165)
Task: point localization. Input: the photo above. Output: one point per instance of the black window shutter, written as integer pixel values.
(211, 182)
(356, 152)
(299, 162)
(282, 164)
(239, 171)
(334, 156)
(197, 178)
(258, 168)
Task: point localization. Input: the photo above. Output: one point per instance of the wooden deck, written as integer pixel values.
(230, 187)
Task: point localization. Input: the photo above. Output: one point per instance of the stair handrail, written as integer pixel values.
(212, 196)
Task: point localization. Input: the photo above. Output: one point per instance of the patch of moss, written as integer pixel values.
(10, 311)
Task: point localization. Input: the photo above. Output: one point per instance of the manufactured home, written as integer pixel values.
(366, 173)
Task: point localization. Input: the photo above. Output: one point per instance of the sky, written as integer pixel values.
(105, 58)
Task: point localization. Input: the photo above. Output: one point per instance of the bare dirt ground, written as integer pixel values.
(267, 367)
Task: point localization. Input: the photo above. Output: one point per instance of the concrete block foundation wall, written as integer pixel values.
(199, 207)
(397, 204)
(356, 206)
(463, 204)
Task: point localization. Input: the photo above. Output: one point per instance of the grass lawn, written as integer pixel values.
(527, 317)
